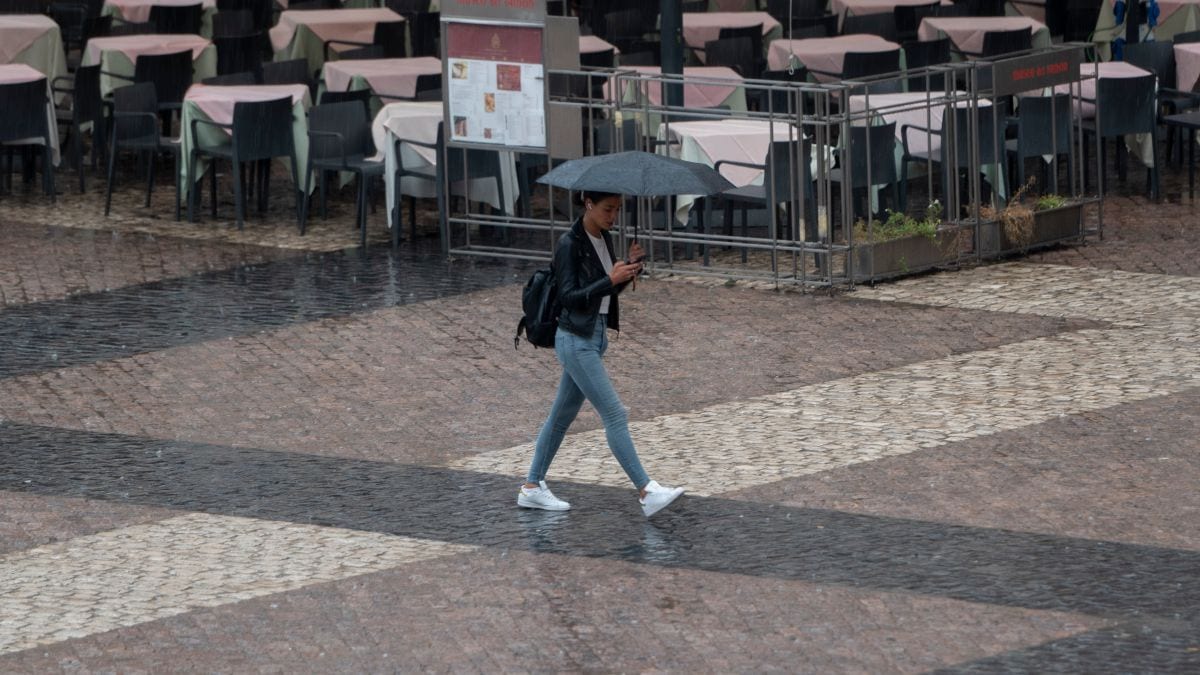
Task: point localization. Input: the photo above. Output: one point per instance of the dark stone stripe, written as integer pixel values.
(1021, 569)
(84, 329)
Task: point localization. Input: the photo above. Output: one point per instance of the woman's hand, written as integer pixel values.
(623, 271)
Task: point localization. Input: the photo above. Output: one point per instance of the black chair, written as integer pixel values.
(736, 53)
(72, 18)
(362, 53)
(1186, 37)
(956, 143)
(592, 86)
(607, 137)
(241, 79)
(794, 14)
(869, 65)
(118, 29)
(1159, 58)
(1001, 42)
(872, 152)
(233, 22)
(1079, 21)
(425, 33)
(260, 12)
(621, 28)
(172, 19)
(883, 25)
(85, 108)
(982, 7)
(825, 25)
(136, 127)
(171, 75)
(786, 180)
(339, 139)
(785, 101)
(1043, 127)
(755, 63)
(406, 8)
(361, 96)
(908, 19)
(923, 54)
(24, 119)
(1127, 106)
(260, 131)
(239, 53)
(20, 7)
(389, 36)
(292, 71)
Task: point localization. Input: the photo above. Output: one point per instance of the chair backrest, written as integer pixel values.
(176, 19)
(908, 18)
(788, 173)
(145, 28)
(348, 118)
(872, 151)
(694, 6)
(789, 10)
(622, 24)
(466, 163)
(1080, 20)
(292, 71)
(24, 110)
(1156, 57)
(737, 53)
(85, 95)
(919, 55)
(361, 96)
(171, 74)
(1126, 105)
(883, 25)
(824, 25)
(363, 53)
(429, 87)
(869, 64)
(1186, 37)
(232, 22)
(645, 57)
(260, 10)
(784, 101)
(20, 7)
(263, 129)
(407, 7)
(391, 36)
(95, 26)
(425, 33)
(998, 42)
(241, 79)
(601, 59)
(135, 98)
(1043, 125)
(989, 121)
(608, 139)
(982, 7)
(239, 53)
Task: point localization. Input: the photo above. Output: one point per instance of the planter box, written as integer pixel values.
(1049, 227)
(903, 256)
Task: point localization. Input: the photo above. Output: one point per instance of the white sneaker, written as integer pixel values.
(658, 497)
(540, 498)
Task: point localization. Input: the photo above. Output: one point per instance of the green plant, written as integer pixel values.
(899, 225)
(1050, 201)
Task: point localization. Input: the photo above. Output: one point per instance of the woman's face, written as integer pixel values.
(603, 213)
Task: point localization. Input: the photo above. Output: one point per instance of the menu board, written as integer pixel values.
(496, 85)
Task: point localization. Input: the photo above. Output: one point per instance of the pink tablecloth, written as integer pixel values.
(396, 77)
(967, 32)
(707, 95)
(19, 31)
(913, 109)
(730, 140)
(590, 44)
(138, 11)
(355, 25)
(217, 102)
(1187, 65)
(1168, 7)
(861, 7)
(1034, 9)
(700, 27)
(18, 73)
(134, 45)
(825, 54)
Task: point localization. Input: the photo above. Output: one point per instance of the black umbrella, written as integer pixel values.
(637, 173)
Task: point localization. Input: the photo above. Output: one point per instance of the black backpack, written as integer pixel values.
(539, 301)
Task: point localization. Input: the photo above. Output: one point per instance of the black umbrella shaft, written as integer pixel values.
(671, 13)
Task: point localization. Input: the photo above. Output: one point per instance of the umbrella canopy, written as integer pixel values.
(637, 173)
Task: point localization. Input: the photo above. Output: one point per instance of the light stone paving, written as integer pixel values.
(141, 573)
(1151, 351)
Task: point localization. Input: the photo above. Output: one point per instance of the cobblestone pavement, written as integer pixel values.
(244, 452)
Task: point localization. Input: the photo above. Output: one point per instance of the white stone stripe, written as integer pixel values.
(1051, 290)
(132, 575)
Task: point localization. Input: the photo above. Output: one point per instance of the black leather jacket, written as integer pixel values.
(583, 283)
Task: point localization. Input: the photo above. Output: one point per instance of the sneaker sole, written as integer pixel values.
(674, 495)
(525, 504)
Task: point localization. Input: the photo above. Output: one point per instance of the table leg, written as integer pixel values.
(1191, 162)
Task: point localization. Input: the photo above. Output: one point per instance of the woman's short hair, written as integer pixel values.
(584, 196)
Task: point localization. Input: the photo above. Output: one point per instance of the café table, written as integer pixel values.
(20, 73)
(1140, 145)
(388, 78)
(216, 103)
(418, 121)
(1187, 65)
(862, 7)
(823, 54)
(700, 27)
(710, 87)
(118, 55)
(303, 34)
(34, 40)
(138, 11)
(1190, 122)
(591, 44)
(966, 32)
(1034, 9)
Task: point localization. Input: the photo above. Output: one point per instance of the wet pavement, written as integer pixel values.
(220, 451)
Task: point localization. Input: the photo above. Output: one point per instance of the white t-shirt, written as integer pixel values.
(606, 260)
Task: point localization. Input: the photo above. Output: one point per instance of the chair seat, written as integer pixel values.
(155, 142)
(746, 193)
(357, 163)
(835, 175)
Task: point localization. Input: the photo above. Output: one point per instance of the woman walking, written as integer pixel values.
(588, 282)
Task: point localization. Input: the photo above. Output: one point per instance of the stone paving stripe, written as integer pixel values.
(1159, 647)
(93, 327)
(136, 574)
(742, 444)
(738, 537)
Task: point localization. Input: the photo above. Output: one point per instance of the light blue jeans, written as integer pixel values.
(583, 377)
